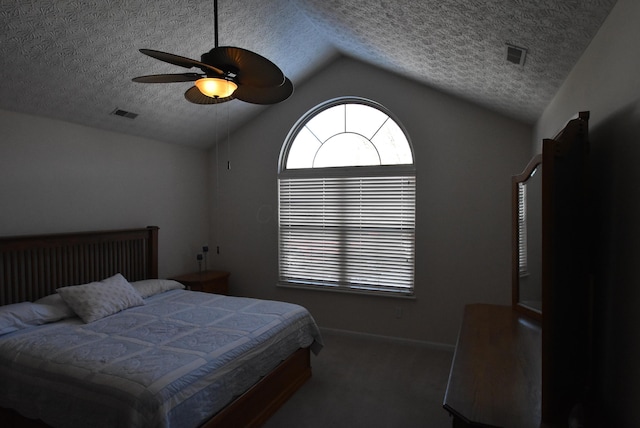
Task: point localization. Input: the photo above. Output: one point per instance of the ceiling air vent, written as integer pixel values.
(516, 54)
(124, 113)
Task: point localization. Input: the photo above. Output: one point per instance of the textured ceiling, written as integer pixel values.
(74, 59)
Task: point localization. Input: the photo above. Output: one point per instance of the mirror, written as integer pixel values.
(527, 239)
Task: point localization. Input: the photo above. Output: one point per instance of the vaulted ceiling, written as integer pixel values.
(73, 60)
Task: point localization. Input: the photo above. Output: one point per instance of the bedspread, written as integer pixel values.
(173, 362)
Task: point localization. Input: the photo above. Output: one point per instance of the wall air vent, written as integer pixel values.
(124, 113)
(516, 54)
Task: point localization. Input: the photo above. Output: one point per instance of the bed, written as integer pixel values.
(171, 358)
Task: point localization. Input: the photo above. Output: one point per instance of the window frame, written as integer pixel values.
(392, 170)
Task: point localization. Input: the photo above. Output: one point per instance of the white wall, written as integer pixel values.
(61, 177)
(606, 81)
(465, 156)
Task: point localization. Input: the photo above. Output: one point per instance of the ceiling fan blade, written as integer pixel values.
(252, 69)
(168, 78)
(272, 95)
(194, 95)
(181, 61)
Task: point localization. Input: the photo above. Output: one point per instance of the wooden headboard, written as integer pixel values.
(32, 267)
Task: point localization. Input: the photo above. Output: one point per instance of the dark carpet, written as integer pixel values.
(365, 381)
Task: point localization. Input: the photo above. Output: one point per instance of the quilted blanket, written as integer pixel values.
(173, 362)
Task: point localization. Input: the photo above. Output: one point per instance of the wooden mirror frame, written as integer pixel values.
(566, 290)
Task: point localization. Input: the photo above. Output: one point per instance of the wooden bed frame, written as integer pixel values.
(32, 267)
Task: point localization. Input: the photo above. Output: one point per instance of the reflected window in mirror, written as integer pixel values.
(522, 229)
(527, 239)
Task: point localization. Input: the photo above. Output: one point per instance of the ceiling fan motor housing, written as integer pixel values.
(230, 70)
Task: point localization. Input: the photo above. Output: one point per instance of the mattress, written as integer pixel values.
(173, 362)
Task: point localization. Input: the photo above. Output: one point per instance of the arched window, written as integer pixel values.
(347, 200)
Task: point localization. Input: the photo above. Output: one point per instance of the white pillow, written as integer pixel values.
(55, 307)
(97, 300)
(17, 316)
(151, 287)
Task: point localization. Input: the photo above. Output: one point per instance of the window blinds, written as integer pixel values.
(348, 232)
(522, 228)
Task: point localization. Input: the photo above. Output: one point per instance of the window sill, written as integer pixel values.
(345, 290)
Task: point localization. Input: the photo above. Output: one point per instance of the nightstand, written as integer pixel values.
(209, 281)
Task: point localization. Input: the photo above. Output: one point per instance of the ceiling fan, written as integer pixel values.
(226, 73)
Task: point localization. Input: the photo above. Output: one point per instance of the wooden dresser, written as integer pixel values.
(495, 378)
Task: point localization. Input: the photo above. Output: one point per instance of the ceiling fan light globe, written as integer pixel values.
(215, 87)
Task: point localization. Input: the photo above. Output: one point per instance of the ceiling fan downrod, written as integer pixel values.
(215, 23)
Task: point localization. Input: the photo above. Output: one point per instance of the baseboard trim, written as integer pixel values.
(379, 337)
